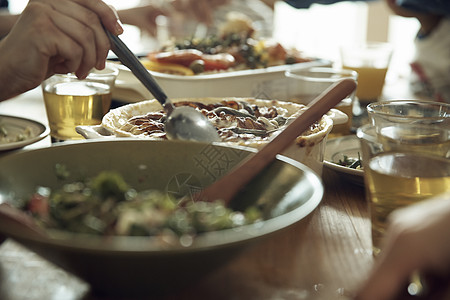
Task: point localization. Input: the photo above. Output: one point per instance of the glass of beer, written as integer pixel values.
(306, 84)
(402, 167)
(70, 102)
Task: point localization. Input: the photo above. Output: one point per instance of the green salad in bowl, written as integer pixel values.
(111, 214)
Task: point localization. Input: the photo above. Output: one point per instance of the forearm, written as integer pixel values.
(428, 23)
(7, 21)
(126, 16)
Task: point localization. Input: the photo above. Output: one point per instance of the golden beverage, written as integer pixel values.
(399, 179)
(370, 81)
(433, 140)
(69, 104)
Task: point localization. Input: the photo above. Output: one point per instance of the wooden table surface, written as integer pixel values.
(325, 256)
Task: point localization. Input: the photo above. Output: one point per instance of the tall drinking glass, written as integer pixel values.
(306, 84)
(406, 157)
(371, 61)
(70, 102)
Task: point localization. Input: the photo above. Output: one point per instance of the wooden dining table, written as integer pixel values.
(327, 255)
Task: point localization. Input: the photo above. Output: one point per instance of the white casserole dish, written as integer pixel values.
(267, 83)
(308, 149)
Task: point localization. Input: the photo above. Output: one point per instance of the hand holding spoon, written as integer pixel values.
(183, 123)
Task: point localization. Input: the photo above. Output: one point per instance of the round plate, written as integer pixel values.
(336, 149)
(16, 125)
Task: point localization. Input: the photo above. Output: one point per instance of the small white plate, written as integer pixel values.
(336, 149)
(16, 126)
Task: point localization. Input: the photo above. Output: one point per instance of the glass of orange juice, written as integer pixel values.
(371, 61)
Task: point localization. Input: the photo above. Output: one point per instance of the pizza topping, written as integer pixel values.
(235, 120)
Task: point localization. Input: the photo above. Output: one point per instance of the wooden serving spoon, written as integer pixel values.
(229, 185)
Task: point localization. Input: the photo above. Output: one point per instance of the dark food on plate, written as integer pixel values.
(234, 120)
(353, 163)
(233, 49)
(106, 205)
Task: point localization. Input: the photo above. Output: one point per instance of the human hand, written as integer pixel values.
(143, 17)
(201, 10)
(55, 37)
(418, 240)
(427, 21)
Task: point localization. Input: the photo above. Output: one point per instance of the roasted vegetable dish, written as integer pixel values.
(106, 205)
(234, 48)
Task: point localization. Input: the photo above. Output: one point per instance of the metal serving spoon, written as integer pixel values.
(229, 185)
(183, 122)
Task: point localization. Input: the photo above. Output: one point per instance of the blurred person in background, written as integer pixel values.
(215, 14)
(142, 16)
(55, 37)
(145, 14)
(431, 64)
